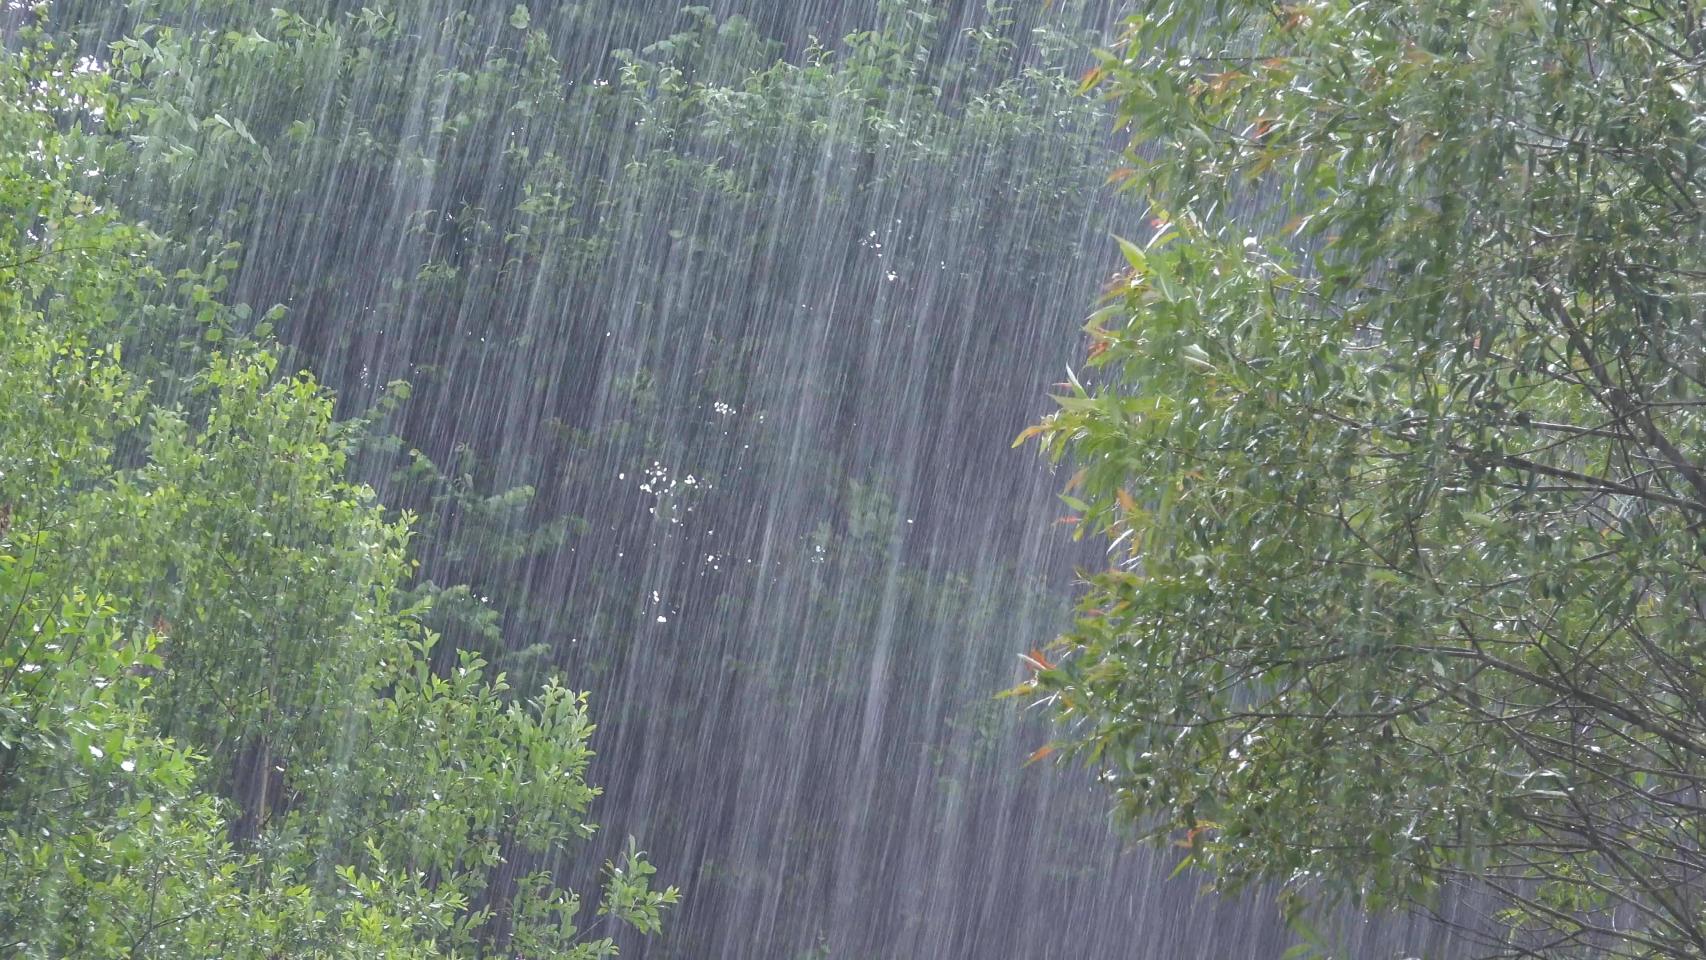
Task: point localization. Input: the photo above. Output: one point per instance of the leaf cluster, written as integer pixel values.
(219, 729)
(1394, 425)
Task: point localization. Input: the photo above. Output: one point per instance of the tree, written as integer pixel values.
(531, 182)
(1395, 425)
(218, 731)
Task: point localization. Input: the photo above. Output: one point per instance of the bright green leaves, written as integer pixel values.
(628, 895)
(219, 733)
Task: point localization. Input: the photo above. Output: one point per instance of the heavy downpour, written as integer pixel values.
(852, 479)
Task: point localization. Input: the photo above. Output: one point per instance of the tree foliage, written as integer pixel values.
(1394, 423)
(605, 236)
(460, 198)
(219, 735)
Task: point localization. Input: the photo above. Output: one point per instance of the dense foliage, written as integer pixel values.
(711, 316)
(1404, 467)
(219, 732)
(477, 199)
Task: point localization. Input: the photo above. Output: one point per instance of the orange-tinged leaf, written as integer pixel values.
(1027, 433)
(1120, 175)
(1040, 753)
(1127, 502)
(1037, 660)
(1195, 832)
(1219, 82)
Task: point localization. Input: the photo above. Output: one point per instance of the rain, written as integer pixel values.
(694, 340)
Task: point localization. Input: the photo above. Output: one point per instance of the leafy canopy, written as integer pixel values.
(1394, 422)
(219, 735)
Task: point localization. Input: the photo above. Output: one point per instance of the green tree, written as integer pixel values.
(514, 167)
(1395, 426)
(218, 732)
